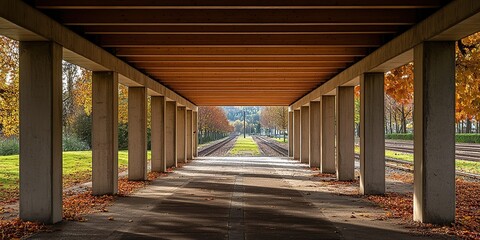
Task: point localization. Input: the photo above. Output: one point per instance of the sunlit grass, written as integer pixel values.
(245, 147)
(77, 167)
(280, 139)
(461, 165)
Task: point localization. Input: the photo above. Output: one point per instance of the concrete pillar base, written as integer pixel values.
(158, 133)
(314, 126)
(345, 133)
(137, 133)
(434, 138)
(304, 135)
(41, 132)
(327, 134)
(104, 133)
(372, 135)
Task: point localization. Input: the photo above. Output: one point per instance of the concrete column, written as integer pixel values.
(372, 135)
(189, 135)
(290, 134)
(171, 134)
(327, 134)
(195, 134)
(137, 133)
(315, 147)
(345, 110)
(182, 134)
(104, 133)
(304, 135)
(296, 134)
(434, 120)
(157, 137)
(41, 131)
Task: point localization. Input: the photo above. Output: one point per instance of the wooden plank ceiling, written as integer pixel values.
(240, 52)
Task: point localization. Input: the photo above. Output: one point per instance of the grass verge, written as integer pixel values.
(245, 147)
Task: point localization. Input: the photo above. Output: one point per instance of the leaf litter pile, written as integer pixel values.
(400, 205)
(75, 206)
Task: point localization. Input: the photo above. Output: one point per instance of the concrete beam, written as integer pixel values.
(41, 132)
(458, 19)
(137, 133)
(195, 134)
(296, 134)
(434, 138)
(189, 135)
(304, 135)
(345, 134)
(171, 134)
(314, 126)
(21, 22)
(158, 105)
(104, 133)
(372, 135)
(327, 134)
(181, 134)
(290, 134)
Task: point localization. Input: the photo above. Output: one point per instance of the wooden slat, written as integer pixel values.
(243, 51)
(147, 40)
(249, 16)
(239, 64)
(240, 29)
(201, 4)
(170, 58)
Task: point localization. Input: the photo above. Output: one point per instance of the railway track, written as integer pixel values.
(468, 152)
(275, 147)
(388, 161)
(213, 148)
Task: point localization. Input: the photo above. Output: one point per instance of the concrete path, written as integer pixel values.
(236, 198)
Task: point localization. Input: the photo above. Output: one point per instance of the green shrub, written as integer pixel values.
(83, 128)
(9, 146)
(122, 136)
(73, 143)
(467, 138)
(399, 136)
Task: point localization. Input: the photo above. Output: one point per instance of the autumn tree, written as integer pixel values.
(9, 87)
(276, 118)
(212, 123)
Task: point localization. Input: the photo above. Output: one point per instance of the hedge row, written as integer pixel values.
(459, 137)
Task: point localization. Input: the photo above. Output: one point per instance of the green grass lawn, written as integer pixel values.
(77, 168)
(245, 147)
(460, 165)
(280, 139)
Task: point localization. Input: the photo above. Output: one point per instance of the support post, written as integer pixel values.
(137, 133)
(195, 134)
(315, 132)
(104, 133)
(41, 132)
(290, 134)
(434, 138)
(327, 129)
(158, 133)
(296, 134)
(171, 134)
(345, 134)
(189, 135)
(182, 134)
(372, 135)
(304, 135)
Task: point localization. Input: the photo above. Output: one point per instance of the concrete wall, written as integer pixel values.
(181, 135)
(315, 132)
(296, 134)
(345, 157)
(304, 135)
(171, 134)
(158, 104)
(137, 133)
(290, 134)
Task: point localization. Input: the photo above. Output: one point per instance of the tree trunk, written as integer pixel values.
(469, 126)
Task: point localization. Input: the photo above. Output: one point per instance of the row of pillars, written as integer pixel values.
(323, 133)
(173, 132)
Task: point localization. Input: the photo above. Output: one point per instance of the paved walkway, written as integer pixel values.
(236, 198)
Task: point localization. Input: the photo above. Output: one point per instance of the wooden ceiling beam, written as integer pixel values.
(235, 70)
(239, 29)
(236, 17)
(238, 64)
(227, 58)
(202, 4)
(239, 75)
(146, 40)
(242, 51)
